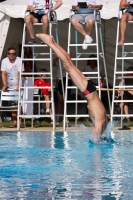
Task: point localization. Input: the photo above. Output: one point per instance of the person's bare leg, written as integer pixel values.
(76, 75)
(78, 26)
(45, 25)
(126, 111)
(125, 17)
(14, 117)
(29, 24)
(89, 25)
(47, 103)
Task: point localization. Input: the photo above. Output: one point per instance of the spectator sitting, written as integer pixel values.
(127, 16)
(10, 67)
(92, 67)
(77, 19)
(46, 91)
(127, 95)
(40, 16)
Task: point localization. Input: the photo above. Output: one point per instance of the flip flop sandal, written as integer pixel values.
(13, 126)
(124, 128)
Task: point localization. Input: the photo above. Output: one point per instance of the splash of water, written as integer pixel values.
(104, 138)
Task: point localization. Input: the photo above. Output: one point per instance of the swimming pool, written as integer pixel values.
(65, 165)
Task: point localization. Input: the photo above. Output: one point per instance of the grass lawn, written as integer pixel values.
(42, 122)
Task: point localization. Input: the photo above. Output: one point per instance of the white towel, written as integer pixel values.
(28, 96)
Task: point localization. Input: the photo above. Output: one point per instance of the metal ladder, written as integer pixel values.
(119, 72)
(98, 32)
(46, 56)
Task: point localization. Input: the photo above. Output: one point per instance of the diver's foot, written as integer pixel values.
(121, 42)
(45, 38)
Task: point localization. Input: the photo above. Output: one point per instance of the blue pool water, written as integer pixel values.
(65, 165)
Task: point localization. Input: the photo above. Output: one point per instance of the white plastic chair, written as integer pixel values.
(9, 96)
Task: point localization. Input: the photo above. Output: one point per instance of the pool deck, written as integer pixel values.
(60, 129)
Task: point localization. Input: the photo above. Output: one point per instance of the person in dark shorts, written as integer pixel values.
(39, 13)
(127, 95)
(79, 18)
(96, 109)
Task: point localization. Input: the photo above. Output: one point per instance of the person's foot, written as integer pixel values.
(32, 41)
(87, 40)
(45, 38)
(121, 42)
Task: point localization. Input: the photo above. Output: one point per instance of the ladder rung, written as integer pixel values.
(124, 58)
(75, 45)
(122, 115)
(97, 87)
(31, 116)
(77, 101)
(35, 73)
(35, 45)
(33, 101)
(124, 72)
(119, 101)
(36, 87)
(90, 73)
(40, 59)
(124, 86)
(77, 115)
(37, 24)
(79, 59)
(127, 44)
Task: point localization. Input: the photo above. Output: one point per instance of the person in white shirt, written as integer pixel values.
(40, 16)
(78, 19)
(10, 67)
(127, 16)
